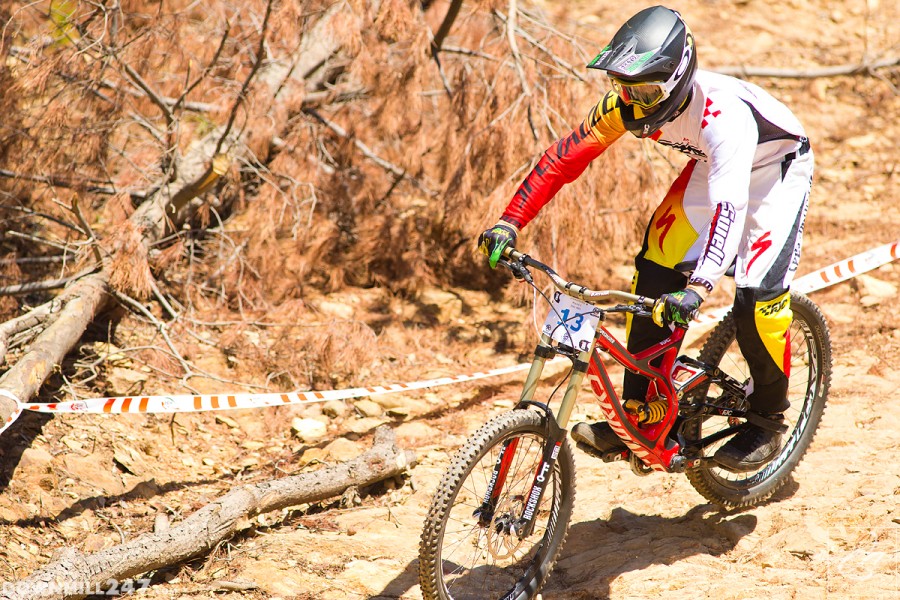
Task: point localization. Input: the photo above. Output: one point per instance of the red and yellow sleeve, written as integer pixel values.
(565, 160)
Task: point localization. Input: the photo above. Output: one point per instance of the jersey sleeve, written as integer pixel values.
(730, 141)
(565, 160)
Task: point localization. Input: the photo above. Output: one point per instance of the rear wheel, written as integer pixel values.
(468, 552)
(810, 378)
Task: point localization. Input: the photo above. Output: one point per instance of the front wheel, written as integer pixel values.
(808, 383)
(470, 548)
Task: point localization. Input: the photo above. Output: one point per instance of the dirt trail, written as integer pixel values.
(834, 532)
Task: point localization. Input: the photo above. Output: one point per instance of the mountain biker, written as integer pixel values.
(741, 198)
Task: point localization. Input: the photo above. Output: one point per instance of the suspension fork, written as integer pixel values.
(555, 432)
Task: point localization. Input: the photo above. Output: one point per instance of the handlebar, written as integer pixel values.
(518, 263)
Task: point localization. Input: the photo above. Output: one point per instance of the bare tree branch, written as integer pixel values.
(60, 182)
(42, 286)
(35, 317)
(517, 59)
(836, 71)
(446, 25)
(367, 152)
(257, 63)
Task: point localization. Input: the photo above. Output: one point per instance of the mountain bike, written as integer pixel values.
(500, 514)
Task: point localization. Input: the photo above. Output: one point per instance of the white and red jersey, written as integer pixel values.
(731, 126)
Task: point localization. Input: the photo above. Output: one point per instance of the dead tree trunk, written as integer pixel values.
(215, 522)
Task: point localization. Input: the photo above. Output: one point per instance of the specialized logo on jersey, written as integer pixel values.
(721, 225)
(708, 115)
(758, 247)
(664, 224)
(670, 234)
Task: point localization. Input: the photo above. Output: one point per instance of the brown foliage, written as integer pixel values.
(129, 269)
(416, 158)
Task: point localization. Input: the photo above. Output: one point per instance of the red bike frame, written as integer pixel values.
(650, 443)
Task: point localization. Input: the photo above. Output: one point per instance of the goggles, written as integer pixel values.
(645, 95)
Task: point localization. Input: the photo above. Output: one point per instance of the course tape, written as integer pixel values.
(815, 281)
(828, 276)
(205, 402)
(847, 269)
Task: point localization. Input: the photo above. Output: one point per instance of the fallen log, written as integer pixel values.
(75, 575)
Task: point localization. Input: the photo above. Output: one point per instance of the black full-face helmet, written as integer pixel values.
(651, 62)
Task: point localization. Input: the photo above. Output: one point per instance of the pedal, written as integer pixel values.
(761, 421)
(611, 455)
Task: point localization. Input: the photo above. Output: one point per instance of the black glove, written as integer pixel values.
(678, 307)
(495, 240)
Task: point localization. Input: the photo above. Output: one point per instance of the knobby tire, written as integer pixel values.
(484, 575)
(731, 490)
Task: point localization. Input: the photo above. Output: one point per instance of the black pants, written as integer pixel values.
(770, 379)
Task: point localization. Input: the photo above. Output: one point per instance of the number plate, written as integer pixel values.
(572, 321)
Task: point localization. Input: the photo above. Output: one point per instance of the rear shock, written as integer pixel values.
(648, 413)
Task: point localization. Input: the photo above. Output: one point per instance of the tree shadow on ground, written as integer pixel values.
(15, 440)
(597, 552)
(141, 491)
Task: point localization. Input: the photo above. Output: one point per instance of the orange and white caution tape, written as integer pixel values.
(812, 282)
(828, 276)
(847, 269)
(205, 402)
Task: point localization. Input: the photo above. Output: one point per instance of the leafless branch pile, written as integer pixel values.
(210, 164)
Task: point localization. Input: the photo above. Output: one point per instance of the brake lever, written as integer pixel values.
(636, 310)
(519, 270)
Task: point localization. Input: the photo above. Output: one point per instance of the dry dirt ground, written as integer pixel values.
(834, 532)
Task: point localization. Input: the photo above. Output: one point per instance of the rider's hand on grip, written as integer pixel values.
(495, 240)
(678, 307)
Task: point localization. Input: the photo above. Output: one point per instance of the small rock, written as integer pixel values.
(161, 523)
(72, 444)
(416, 432)
(877, 288)
(227, 421)
(124, 380)
(335, 409)
(336, 309)
(95, 472)
(364, 425)
(368, 408)
(398, 411)
(314, 455)
(236, 586)
(342, 449)
(129, 460)
(447, 305)
(36, 458)
(145, 489)
(308, 429)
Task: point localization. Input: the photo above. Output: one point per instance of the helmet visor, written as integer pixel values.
(644, 94)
